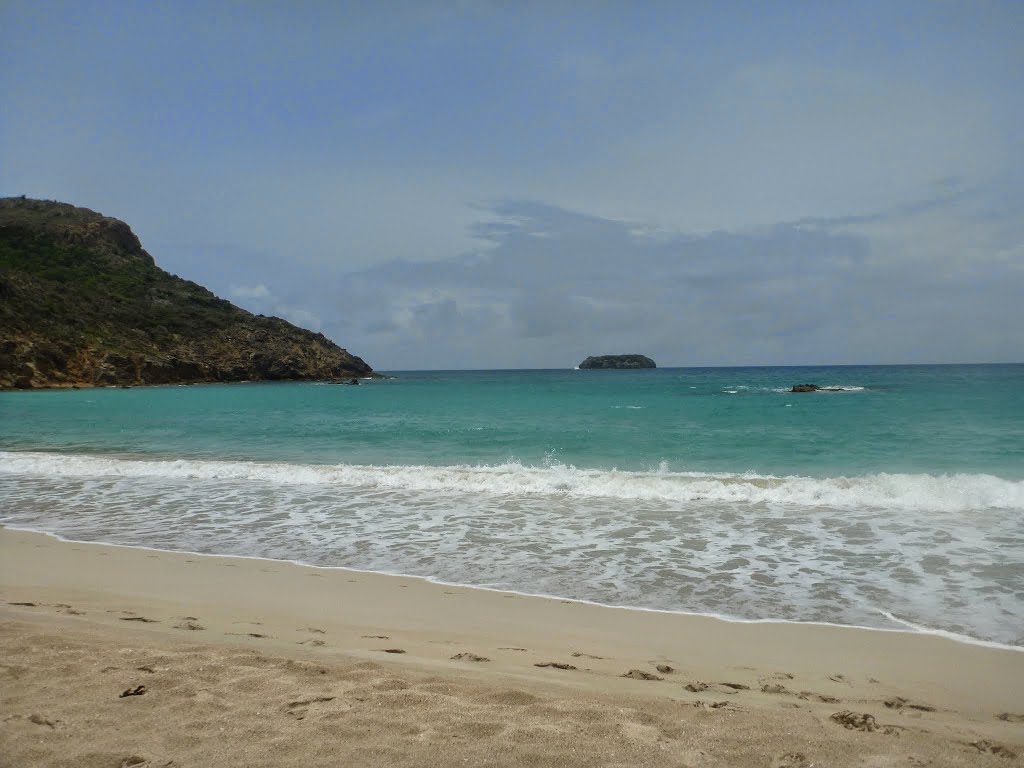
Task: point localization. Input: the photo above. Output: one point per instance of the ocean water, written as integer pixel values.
(895, 503)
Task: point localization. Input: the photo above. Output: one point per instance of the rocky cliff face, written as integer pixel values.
(82, 304)
(618, 361)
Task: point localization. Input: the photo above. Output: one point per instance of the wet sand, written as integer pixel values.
(118, 656)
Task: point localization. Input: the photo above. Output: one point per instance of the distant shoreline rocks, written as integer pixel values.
(628, 362)
(816, 388)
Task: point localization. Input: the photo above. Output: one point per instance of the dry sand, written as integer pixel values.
(237, 662)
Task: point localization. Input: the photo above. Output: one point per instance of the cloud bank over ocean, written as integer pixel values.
(435, 185)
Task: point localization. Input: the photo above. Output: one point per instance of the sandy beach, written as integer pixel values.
(121, 656)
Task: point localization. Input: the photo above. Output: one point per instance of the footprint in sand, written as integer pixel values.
(710, 704)
(791, 760)
(819, 697)
(554, 665)
(314, 630)
(992, 748)
(375, 637)
(312, 641)
(1010, 718)
(257, 635)
(578, 655)
(143, 619)
(146, 668)
(468, 657)
(509, 648)
(24, 604)
(898, 703)
(697, 758)
(776, 688)
(393, 650)
(189, 624)
(300, 709)
(854, 721)
(639, 674)
(665, 669)
(40, 720)
(697, 686)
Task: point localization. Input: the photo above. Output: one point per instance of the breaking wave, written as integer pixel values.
(922, 492)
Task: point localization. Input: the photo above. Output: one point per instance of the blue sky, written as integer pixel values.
(477, 184)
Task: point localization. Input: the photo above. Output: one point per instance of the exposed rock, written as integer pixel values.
(816, 388)
(82, 304)
(618, 361)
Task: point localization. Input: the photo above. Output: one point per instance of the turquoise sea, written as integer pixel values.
(895, 503)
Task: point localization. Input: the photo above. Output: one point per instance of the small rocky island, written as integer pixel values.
(82, 305)
(617, 361)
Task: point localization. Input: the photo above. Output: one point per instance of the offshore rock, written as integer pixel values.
(816, 388)
(618, 361)
(82, 304)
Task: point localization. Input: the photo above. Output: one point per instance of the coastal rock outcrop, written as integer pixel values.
(617, 361)
(816, 388)
(83, 304)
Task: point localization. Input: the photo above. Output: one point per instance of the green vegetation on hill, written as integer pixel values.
(617, 361)
(81, 303)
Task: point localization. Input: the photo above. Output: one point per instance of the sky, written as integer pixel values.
(519, 185)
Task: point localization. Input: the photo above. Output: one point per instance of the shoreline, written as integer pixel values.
(283, 664)
(81, 385)
(912, 629)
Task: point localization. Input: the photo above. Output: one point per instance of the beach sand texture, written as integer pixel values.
(116, 656)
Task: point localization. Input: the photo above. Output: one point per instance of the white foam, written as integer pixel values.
(743, 545)
(923, 492)
(909, 628)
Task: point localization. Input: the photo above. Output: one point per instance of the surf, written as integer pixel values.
(949, 493)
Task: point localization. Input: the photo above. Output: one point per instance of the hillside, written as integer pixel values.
(82, 304)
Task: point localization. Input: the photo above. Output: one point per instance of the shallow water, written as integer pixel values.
(712, 490)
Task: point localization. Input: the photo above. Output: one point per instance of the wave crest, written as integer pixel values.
(945, 493)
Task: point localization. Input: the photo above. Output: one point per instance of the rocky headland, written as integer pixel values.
(82, 304)
(617, 361)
